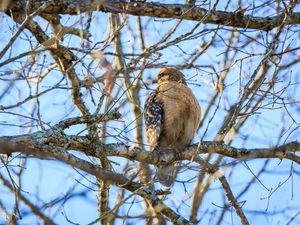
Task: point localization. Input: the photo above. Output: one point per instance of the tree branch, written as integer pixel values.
(159, 10)
(89, 119)
(28, 144)
(29, 204)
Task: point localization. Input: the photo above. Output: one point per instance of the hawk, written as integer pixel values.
(172, 116)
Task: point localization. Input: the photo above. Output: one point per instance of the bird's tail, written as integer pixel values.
(166, 174)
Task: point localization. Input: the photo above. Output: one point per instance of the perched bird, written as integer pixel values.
(172, 116)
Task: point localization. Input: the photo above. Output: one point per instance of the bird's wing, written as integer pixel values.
(153, 113)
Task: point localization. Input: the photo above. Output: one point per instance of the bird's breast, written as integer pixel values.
(181, 115)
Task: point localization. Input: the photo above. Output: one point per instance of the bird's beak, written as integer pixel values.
(154, 81)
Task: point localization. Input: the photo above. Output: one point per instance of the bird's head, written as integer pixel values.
(170, 74)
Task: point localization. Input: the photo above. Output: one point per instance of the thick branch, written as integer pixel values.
(170, 11)
(27, 144)
(167, 156)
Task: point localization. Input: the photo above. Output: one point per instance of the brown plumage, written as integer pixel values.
(172, 116)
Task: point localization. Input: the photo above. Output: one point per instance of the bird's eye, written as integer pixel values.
(161, 75)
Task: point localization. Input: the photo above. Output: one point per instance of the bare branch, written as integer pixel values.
(27, 144)
(170, 11)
